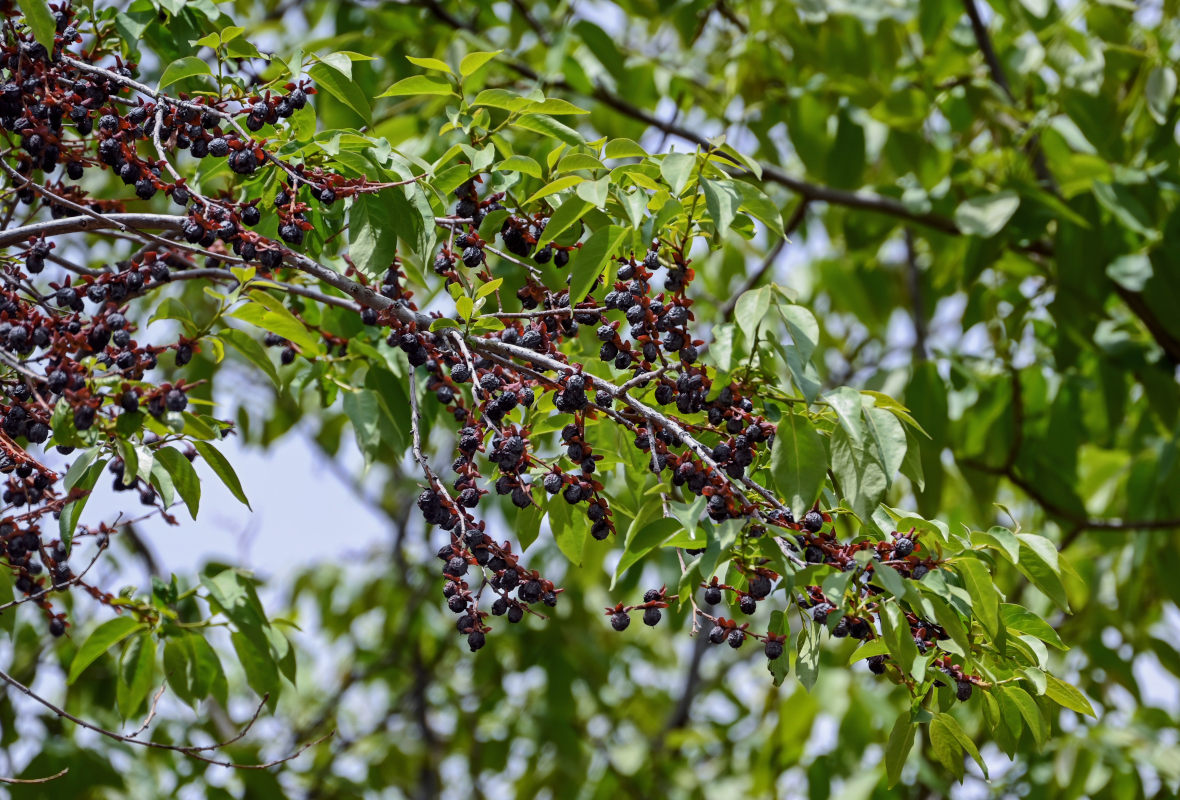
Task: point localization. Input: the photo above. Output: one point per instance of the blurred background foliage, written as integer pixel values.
(985, 208)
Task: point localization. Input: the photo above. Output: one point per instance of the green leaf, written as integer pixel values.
(949, 621)
(373, 232)
(569, 533)
(888, 436)
(1029, 710)
(951, 726)
(264, 311)
(502, 99)
(223, 469)
(807, 662)
(861, 476)
(342, 89)
(897, 635)
(1067, 696)
(1039, 563)
(798, 461)
(262, 674)
(104, 637)
(887, 577)
(528, 166)
(1002, 540)
(184, 477)
(758, 205)
(985, 600)
(235, 596)
(675, 168)
(593, 257)
(420, 85)
(781, 666)
(986, 216)
(1021, 620)
(623, 148)
(178, 655)
(136, 670)
(79, 467)
(1159, 90)
(569, 212)
(182, 68)
(555, 106)
(40, 20)
(8, 615)
(547, 126)
(251, 350)
(430, 63)
(1132, 272)
(901, 739)
(848, 405)
(364, 412)
(553, 187)
(72, 512)
(750, 311)
(945, 747)
(643, 541)
(472, 62)
(722, 200)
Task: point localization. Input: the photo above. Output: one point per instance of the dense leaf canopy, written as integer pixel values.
(840, 333)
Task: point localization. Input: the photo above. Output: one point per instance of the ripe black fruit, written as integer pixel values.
(903, 547)
(963, 691)
(773, 649)
(813, 521)
(651, 616)
(877, 665)
(717, 635)
(620, 620)
(736, 638)
(748, 604)
(713, 595)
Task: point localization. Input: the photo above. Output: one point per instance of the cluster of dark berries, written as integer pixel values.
(653, 601)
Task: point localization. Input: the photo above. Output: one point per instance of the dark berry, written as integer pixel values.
(620, 620)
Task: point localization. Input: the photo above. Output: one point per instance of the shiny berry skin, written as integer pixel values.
(651, 616)
(903, 547)
(736, 638)
(251, 216)
(813, 521)
(773, 649)
(475, 640)
(717, 635)
(877, 665)
(713, 595)
(620, 620)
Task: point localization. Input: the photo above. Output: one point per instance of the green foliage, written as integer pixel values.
(983, 323)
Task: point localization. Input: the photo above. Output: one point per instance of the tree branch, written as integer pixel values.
(191, 751)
